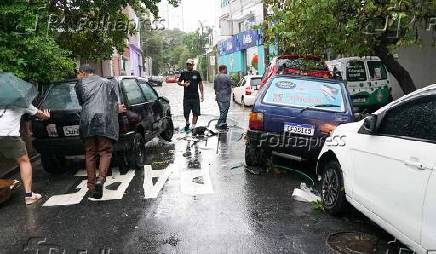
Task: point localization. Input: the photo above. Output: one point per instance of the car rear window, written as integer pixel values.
(377, 70)
(62, 97)
(305, 93)
(255, 82)
(356, 71)
(301, 64)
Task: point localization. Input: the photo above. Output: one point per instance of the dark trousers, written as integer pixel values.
(224, 109)
(94, 146)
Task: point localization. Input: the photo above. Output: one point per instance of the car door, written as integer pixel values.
(240, 90)
(429, 218)
(155, 105)
(139, 110)
(392, 167)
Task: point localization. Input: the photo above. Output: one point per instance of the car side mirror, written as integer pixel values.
(370, 123)
(164, 98)
(357, 117)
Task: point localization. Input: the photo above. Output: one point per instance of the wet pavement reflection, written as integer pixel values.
(194, 196)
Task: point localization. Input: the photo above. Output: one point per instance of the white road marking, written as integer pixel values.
(152, 191)
(119, 192)
(77, 197)
(190, 185)
(68, 199)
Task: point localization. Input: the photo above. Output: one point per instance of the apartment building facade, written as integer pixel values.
(241, 47)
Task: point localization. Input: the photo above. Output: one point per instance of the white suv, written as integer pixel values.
(384, 166)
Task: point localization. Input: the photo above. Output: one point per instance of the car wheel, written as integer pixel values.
(333, 192)
(168, 133)
(136, 156)
(53, 164)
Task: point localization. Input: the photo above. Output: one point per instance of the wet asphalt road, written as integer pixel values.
(194, 197)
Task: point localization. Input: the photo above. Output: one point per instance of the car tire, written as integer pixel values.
(168, 133)
(136, 155)
(254, 156)
(53, 164)
(332, 188)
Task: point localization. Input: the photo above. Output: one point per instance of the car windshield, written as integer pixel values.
(62, 97)
(377, 70)
(301, 64)
(302, 93)
(255, 82)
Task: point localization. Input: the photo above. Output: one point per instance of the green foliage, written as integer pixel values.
(202, 66)
(346, 26)
(350, 27)
(236, 78)
(318, 205)
(40, 39)
(170, 49)
(29, 50)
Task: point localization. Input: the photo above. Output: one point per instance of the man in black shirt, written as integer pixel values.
(192, 82)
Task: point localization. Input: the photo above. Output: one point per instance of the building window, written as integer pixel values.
(224, 3)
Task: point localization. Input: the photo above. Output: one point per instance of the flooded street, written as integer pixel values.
(193, 196)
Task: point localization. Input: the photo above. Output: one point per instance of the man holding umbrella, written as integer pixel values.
(15, 101)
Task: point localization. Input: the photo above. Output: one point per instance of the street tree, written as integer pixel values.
(351, 27)
(26, 49)
(40, 40)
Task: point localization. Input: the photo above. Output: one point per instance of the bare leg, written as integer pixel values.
(194, 120)
(26, 172)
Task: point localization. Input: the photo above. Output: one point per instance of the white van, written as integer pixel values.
(366, 78)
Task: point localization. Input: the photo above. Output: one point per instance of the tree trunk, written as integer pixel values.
(393, 66)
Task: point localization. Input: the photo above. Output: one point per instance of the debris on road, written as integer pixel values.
(253, 170)
(6, 187)
(305, 194)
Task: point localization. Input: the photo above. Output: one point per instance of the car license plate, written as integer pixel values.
(71, 130)
(302, 129)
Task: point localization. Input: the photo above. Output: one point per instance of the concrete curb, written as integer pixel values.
(12, 170)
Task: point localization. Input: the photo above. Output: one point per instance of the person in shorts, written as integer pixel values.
(12, 147)
(192, 82)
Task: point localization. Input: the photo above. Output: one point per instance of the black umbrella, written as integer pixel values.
(15, 92)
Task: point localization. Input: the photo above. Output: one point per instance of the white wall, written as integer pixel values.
(236, 12)
(419, 61)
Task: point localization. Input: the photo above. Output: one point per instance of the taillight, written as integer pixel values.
(248, 91)
(52, 130)
(327, 128)
(256, 121)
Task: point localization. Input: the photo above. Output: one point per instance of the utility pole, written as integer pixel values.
(265, 27)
